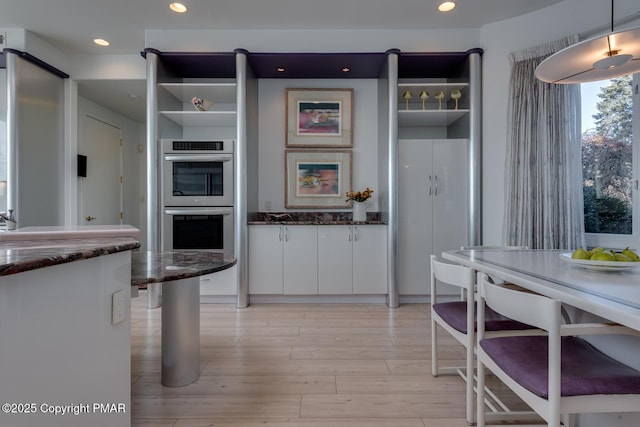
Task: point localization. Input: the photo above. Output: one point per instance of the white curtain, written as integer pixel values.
(544, 205)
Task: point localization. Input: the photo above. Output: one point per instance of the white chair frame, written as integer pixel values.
(465, 278)
(544, 313)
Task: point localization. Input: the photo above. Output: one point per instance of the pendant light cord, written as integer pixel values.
(612, 14)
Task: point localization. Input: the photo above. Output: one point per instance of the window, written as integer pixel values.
(611, 162)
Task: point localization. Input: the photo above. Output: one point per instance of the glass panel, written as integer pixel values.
(197, 178)
(607, 153)
(198, 232)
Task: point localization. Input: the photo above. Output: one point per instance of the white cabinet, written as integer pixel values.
(317, 260)
(369, 259)
(300, 259)
(352, 259)
(283, 260)
(433, 199)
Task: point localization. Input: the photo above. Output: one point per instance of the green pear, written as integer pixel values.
(596, 250)
(622, 257)
(580, 253)
(631, 254)
(603, 256)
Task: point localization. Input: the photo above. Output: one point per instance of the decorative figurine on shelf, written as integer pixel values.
(201, 104)
(439, 96)
(455, 95)
(424, 95)
(407, 96)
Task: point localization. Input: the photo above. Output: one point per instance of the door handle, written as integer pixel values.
(90, 218)
(436, 193)
(430, 184)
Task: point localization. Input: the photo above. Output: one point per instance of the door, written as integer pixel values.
(101, 190)
(415, 195)
(335, 264)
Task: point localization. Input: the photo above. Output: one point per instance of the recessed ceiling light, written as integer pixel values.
(178, 7)
(280, 69)
(346, 69)
(447, 6)
(101, 42)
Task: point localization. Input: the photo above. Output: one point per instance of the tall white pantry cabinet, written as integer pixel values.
(433, 181)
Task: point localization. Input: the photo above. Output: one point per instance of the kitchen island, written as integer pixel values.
(65, 357)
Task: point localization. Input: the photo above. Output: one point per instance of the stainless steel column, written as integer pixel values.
(181, 332)
(12, 130)
(154, 210)
(474, 225)
(393, 299)
(240, 202)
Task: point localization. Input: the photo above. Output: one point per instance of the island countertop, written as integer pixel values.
(25, 255)
(157, 267)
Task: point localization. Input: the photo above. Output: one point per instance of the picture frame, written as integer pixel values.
(317, 179)
(319, 118)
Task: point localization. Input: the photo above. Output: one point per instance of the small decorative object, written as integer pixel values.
(201, 104)
(439, 96)
(424, 95)
(407, 96)
(455, 95)
(359, 208)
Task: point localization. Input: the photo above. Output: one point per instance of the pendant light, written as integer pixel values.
(600, 58)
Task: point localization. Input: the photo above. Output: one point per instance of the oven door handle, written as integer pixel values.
(207, 211)
(199, 157)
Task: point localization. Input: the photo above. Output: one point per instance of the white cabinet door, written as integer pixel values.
(300, 260)
(335, 262)
(416, 187)
(451, 195)
(369, 259)
(266, 259)
(433, 207)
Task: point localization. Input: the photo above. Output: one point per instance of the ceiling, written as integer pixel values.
(71, 25)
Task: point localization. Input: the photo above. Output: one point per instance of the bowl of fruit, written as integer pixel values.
(602, 259)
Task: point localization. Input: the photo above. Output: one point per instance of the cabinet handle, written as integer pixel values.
(429, 185)
(355, 234)
(349, 238)
(436, 193)
(286, 234)
(280, 234)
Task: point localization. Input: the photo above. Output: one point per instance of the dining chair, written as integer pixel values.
(557, 374)
(458, 319)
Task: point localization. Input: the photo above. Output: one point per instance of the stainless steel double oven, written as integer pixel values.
(198, 195)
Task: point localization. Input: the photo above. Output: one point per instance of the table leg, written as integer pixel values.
(154, 295)
(181, 332)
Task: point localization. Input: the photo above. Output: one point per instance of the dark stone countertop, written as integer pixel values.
(20, 256)
(317, 222)
(157, 267)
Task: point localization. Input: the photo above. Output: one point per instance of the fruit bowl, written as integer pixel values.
(599, 265)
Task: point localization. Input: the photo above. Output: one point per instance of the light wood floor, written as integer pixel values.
(310, 365)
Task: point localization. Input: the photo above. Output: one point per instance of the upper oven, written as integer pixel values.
(197, 173)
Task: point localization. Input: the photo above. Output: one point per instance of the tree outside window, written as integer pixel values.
(607, 168)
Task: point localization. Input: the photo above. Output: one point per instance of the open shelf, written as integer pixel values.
(202, 118)
(214, 92)
(410, 118)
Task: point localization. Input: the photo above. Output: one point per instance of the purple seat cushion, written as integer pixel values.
(455, 314)
(584, 369)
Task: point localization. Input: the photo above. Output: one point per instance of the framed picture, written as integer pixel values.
(317, 179)
(319, 118)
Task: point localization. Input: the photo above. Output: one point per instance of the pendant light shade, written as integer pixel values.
(600, 58)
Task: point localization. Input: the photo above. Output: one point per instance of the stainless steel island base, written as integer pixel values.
(181, 332)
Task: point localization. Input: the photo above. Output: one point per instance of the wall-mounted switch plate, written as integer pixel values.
(267, 205)
(3, 40)
(117, 307)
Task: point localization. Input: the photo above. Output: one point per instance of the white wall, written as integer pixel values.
(271, 131)
(499, 40)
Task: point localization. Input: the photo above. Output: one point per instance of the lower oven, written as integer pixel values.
(192, 228)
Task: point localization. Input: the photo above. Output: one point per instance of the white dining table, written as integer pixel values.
(612, 295)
